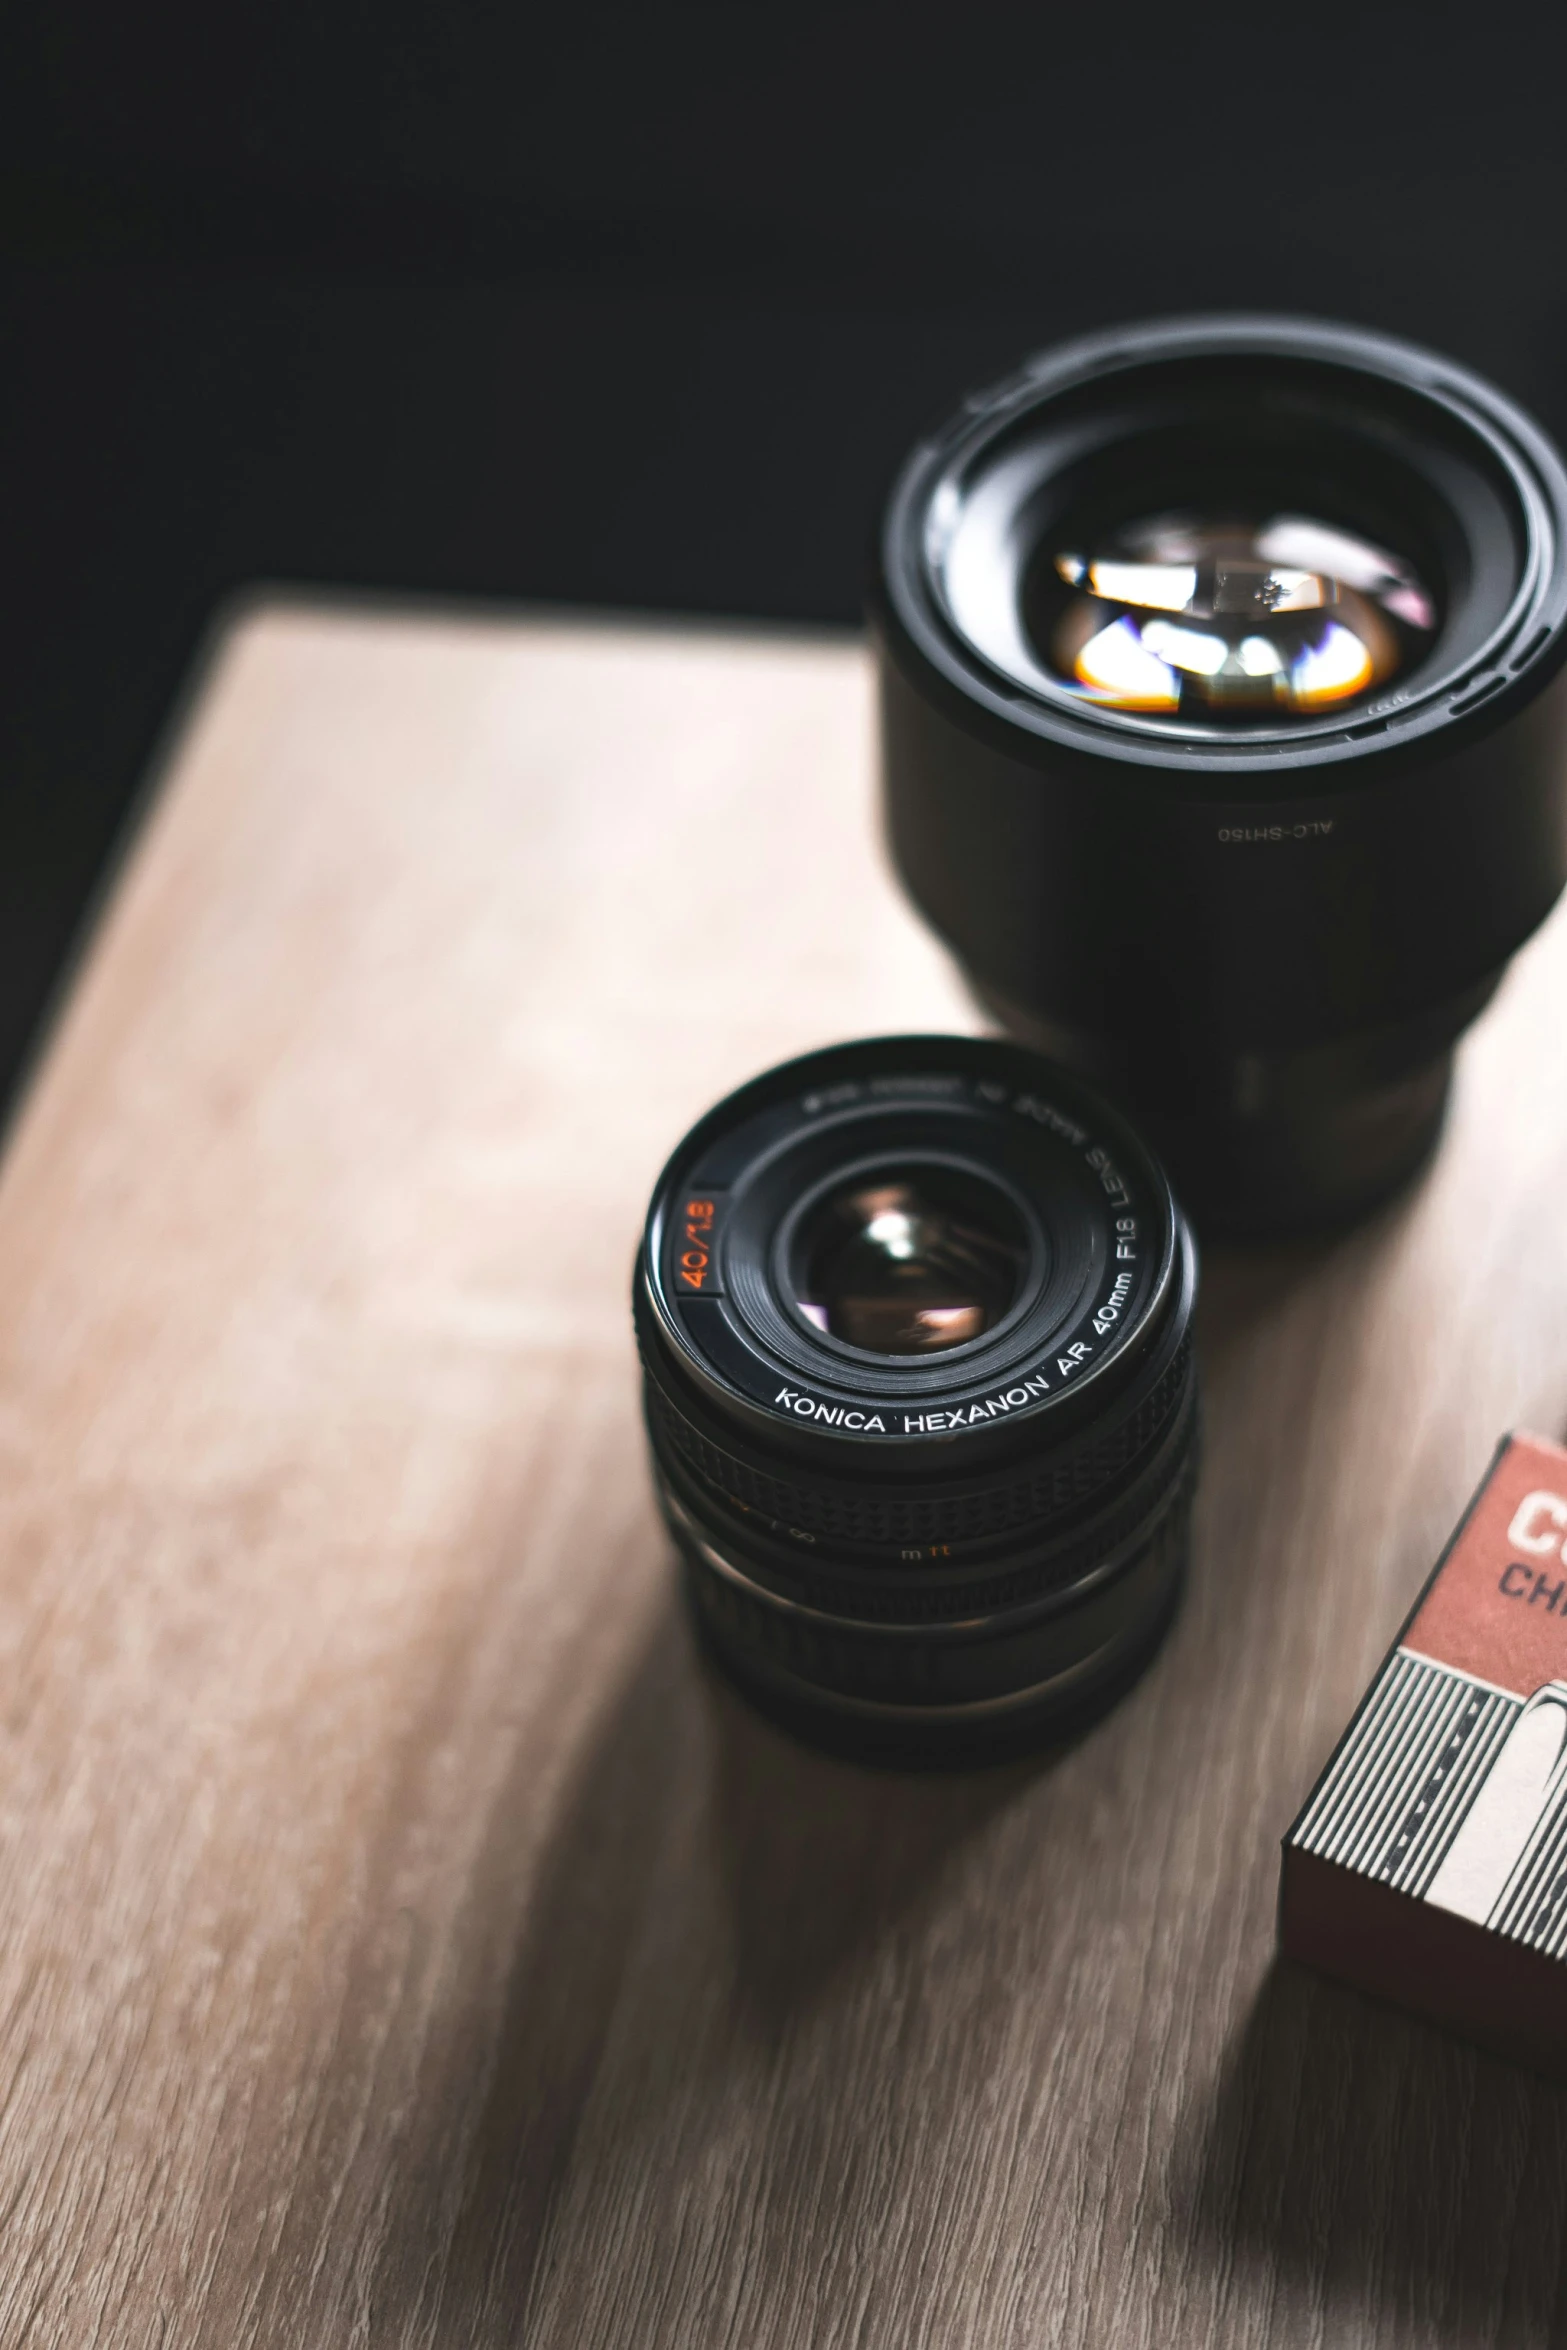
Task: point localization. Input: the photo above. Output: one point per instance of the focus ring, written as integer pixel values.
(983, 1509)
(905, 1597)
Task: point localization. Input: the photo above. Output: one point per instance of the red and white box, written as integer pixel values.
(1429, 1865)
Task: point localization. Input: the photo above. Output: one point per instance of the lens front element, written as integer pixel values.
(1229, 619)
(909, 1263)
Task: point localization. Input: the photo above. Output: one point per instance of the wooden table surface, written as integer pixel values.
(404, 1941)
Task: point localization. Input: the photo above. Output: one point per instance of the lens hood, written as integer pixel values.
(1224, 732)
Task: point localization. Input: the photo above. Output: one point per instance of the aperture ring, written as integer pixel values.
(860, 1667)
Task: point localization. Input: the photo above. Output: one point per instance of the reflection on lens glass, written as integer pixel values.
(909, 1264)
(1247, 621)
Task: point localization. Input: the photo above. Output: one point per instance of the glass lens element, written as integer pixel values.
(910, 1263)
(1237, 620)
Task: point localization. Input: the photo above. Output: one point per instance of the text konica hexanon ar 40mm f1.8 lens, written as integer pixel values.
(1223, 720)
(915, 1323)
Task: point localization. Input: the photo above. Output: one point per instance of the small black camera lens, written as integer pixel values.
(915, 1323)
(1224, 728)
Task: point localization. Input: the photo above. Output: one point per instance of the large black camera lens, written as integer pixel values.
(1224, 732)
(915, 1321)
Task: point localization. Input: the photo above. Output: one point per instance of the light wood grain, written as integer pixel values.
(404, 1942)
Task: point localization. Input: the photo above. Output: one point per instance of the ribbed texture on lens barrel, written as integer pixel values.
(867, 1593)
(1028, 1497)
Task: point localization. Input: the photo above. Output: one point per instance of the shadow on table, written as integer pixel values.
(697, 1841)
(820, 1858)
(544, 2045)
(1380, 2171)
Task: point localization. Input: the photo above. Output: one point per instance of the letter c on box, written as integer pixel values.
(1539, 1525)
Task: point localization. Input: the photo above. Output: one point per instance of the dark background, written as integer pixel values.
(639, 307)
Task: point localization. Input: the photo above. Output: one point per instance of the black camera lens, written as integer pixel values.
(1224, 728)
(915, 1324)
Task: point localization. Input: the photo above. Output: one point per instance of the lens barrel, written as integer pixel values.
(1224, 733)
(915, 1325)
